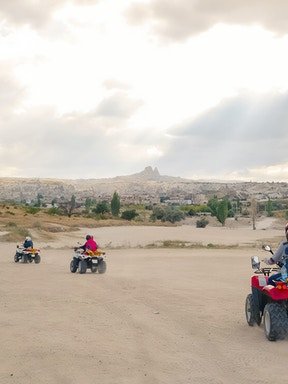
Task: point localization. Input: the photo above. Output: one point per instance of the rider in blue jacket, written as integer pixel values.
(28, 243)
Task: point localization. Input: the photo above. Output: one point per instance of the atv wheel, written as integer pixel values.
(252, 311)
(16, 258)
(73, 266)
(37, 259)
(82, 266)
(275, 321)
(93, 268)
(24, 259)
(102, 266)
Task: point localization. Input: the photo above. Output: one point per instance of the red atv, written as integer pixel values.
(267, 301)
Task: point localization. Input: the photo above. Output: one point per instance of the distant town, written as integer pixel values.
(146, 187)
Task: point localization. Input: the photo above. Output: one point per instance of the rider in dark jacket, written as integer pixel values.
(280, 256)
(28, 243)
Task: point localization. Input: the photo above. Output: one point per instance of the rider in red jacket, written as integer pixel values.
(90, 244)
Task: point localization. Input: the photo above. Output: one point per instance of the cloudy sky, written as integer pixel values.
(100, 88)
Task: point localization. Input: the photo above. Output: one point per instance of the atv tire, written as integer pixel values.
(251, 311)
(24, 259)
(93, 268)
(102, 266)
(275, 321)
(73, 266)
(37, 259)
(82, 266)
(16, 258)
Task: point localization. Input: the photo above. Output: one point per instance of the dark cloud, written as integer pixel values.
(41, 143)
(240, 133)
(179, 19)
(34, 12)
(243, 118)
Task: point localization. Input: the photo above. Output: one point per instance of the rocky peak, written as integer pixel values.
(148, 174)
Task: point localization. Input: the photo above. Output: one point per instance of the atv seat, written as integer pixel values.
(94, 253)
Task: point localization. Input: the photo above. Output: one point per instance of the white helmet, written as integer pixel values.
(28, 238)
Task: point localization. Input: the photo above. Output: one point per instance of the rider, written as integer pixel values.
(280, 256)
(28, 243)
(90, 244)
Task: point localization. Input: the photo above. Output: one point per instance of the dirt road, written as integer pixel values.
(156, 316)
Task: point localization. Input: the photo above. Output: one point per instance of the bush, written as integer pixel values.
(201, 223)
(53, 211)
(167, 214)
(32, 210)
(101, 207)
(158, 213)
(11, 224)
(129, 214)
(172, 215)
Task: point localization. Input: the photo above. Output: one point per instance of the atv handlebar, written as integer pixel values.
(266, 270)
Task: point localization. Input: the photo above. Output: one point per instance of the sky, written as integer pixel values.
(103, 88)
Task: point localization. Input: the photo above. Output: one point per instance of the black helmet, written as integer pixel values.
(88, 237)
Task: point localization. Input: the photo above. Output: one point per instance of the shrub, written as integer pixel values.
(32, 210)
(129, 214)
(11, 224)
(170, 214)
(53, 211)
(201, 223)
(101, 207)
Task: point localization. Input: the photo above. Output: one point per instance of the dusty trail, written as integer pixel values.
(156, 316)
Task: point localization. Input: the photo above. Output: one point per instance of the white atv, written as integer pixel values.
(83, 260)
(27, 255)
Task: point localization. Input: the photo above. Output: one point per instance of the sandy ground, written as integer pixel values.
(156, 316)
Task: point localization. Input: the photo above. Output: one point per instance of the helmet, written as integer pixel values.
(88, 237)
(28, 238)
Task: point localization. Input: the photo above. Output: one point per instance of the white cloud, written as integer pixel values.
(76, 78)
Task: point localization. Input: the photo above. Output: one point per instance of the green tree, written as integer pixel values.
(101, 207)
(39, 198)
(222, 211)
(213, 205)
(115, 204)
(88, 204)
(269, 208)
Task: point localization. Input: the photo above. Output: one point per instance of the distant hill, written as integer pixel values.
(146, 186)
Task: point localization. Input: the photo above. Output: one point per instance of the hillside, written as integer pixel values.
(146, 186)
